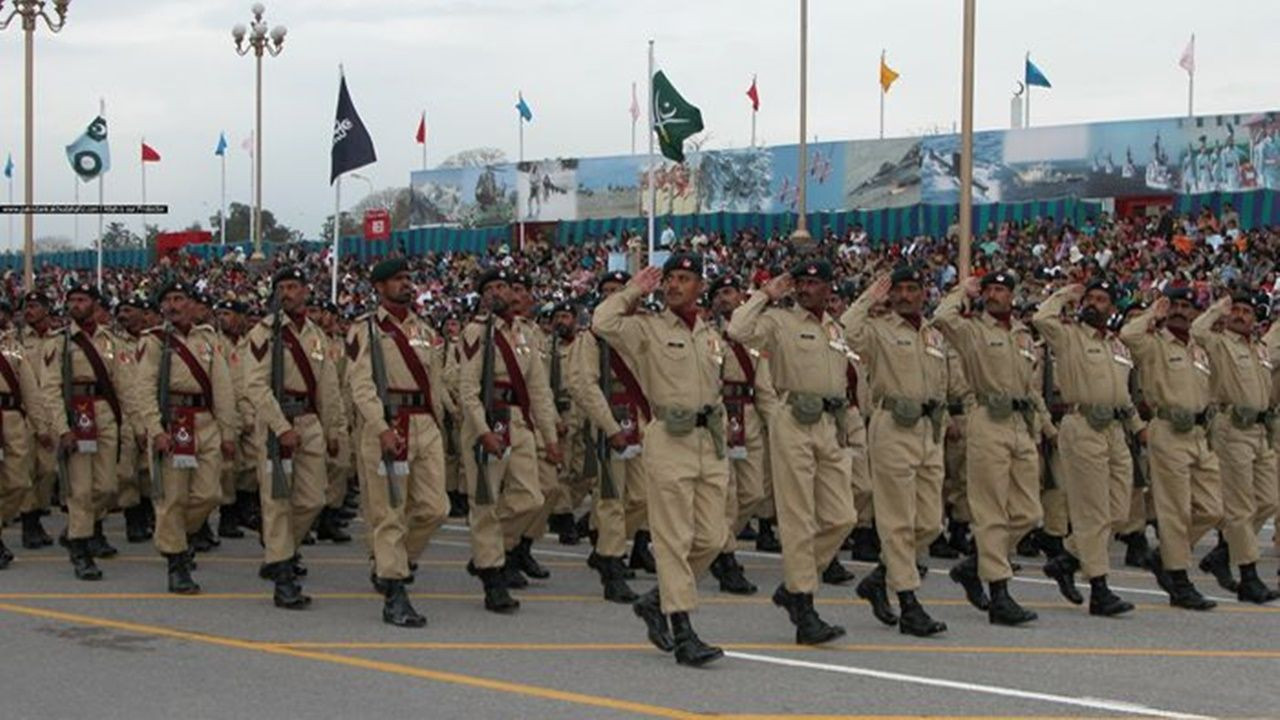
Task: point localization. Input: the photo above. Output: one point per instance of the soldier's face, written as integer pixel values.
(80, 307)
(522, 299)
(1098, 300)
(131, 319)
(177, 308)
(229, 321)
(564, 323)
(316, 315)
(609, 288)
(726, 300)
(497, 297)
(1181, 314)
(812, 294)
(1241, 318)
(906, 298)
(452, 327)
(681, 288)
(998, 298)
(398, 288)
(34, 313)
(293, 296)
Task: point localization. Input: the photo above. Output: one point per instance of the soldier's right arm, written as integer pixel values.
(1048, 318)
(1137, 334)
(244, 404)
(856, 323)
(470, 369)
(584, 384)
(258, 380)
(364, 393)
(37, 409)
(950, 320)
(751, 326)
(146, 376)
(611, 322)
(1202, 327)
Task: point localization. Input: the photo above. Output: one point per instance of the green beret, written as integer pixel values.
(816, 268)
(906, 273)
(388, 269)
(683, 261)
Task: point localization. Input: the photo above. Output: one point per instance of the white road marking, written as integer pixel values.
(1085, 702)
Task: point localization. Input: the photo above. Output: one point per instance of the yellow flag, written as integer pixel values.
(887, 75)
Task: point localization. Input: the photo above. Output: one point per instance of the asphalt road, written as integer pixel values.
(124, 648)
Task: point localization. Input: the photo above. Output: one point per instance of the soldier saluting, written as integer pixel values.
(187, 408)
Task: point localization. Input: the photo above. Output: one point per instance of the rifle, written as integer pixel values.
(483, 494)
(279, 483)
(608, 488)
(166, 413)
(1046, 447)
(380, 385)
(1131, 439)
(450, 443)
(60, 456)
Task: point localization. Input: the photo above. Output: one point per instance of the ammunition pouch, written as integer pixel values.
(1100, 417)
(1001, 407)
(681, 421)
(806, 408)
(1244, 418)
(1182, 420)
(907, 413)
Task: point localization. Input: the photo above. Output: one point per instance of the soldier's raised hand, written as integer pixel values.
(648, 279)
(1160, 308)
(879, 289)
(973, 286)
(779, 287)
(1074, 291)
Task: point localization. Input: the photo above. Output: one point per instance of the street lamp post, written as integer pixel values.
(256, 39)
(30, 11)
(801, 238)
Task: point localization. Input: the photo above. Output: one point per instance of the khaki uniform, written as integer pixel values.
(574, 481)
(132, 466)
(1184, 478)
(339, 467)
(91, 481)
(812, 486)
(1241, 385)
(955, 450)
(512, 480)
(39, 494)
(618, 510)
(23, 415)
(1093, 370)
(190, 493)
(907, 369)
(856, 446)
(1000, 430)
(453, 475)
(549, 474)
(399, 533)
(679, 372)
(241, 473)
(749, 400)
(1053, 496)
(310, 405)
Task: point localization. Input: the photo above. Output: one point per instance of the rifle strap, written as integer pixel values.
(299, 359)
(411, 360)
(11, 377)
(744, 360)
(197, 371)
(100, 374)
(619, 368)
(515, 375)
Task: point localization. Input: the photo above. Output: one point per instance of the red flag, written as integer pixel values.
(422, 130)
(754, 94)
(149, 154)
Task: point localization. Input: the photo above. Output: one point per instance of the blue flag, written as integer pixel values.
(523, 108)
(8, 167)
(1035, 77)
(90, 155)
(222, 145)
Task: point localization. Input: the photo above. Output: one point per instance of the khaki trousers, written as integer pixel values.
(686, 484)
(1003, 469)
(39, 492)
(955, 491)
(1099, 481)
(609, 516)
(1187, 490)
(92, 477)
(513, 485)
(745, 491)
(814, 495)
(399, 535)
(1053, 500)
(15, 469)
(1248, 466)
(906, 478)
(860, 470)
(190, 494)
(337, 470)
(286, 521)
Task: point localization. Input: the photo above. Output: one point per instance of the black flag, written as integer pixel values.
(352, 146)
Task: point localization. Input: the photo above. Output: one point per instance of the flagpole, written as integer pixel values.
(337, 235)
(222, 209)
(102, 112)
(801, 234)
(634, 118)
(882, 96)
(424, 141)
(653, 190)
(1191, 79)
(754, 112)
(76, 179)
(11, 216)
(519, 212)
(966, 142)
(1027, 59)
(144, 196)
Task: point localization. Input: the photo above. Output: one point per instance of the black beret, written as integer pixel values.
(234, 306)
(1003, 277)
(35, 296)
(622, 277)
(518, 278)
(136, 300)
(328, 306)
(388, 269)
(723, 281)
(906, 273)
(289, 273)
(816, 268)
(1111, 289)
(1179, 292)
(202, 298)
(568, 306)
(175, 286)
(683, 261)
(1256, 299)
(491, 275)
(84, 289)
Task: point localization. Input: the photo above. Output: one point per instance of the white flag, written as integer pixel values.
(1188, 59)
(247, 145)
(635, 104)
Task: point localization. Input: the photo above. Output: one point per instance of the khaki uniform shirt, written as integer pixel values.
(328, 400)
(997, 361)
(424, 343)
(901, 361)
(1173, 374)
(113, 353)
(24, 370)
(202, 341)
(528, 361)
(1091, 366)
(807, 354)
(1241, 365)
(584, 382)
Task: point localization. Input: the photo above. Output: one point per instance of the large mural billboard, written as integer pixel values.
(1141, 157)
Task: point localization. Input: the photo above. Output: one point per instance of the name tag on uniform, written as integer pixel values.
(1122, 360)
(1203, 368)
(674, 344)
(936, 353)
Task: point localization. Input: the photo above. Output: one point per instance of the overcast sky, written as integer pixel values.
(168, 72)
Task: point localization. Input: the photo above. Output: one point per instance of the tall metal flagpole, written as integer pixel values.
(337, 235)
(754, 112)
(76, 179)
(882, 96)
(653, 190)
(222, 209)
(520, 211)
(801, 234)
(1027, 59)
(424, 139)
(144, 196)
(1191, 78)
(102, 112)
(634, 118)
(10, 217)
(966, 141)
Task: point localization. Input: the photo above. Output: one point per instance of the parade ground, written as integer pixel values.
(124, 648)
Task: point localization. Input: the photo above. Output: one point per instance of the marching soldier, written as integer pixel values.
(907, 363)
(23, 414)
(1242, 435)
(749, 400)
(132, 467)
(504, 396)
(35, 341)
(1185, 479)
(573, 484)
(85, 406)
(679, 360)
(451, 330)
(396, 363)
(1093, 368)
(187, 406)
(234, 510)
(1000, 434)
(289, 376)
(604, 385)
(811, 472)
(329, 525)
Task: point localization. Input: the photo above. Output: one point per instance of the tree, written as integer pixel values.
(240, 226)
(475, 157)
(117, 236)
(351, 226)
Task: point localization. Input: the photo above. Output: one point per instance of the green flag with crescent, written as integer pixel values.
(674, 118)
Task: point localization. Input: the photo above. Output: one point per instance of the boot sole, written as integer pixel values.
(702, 659)
(836, 632)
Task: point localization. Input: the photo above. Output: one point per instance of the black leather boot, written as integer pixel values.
(941, 548)
(1062, 569)
(98, 545)
(873, 590)
(641, 555)
(1051, 545)
(1156, 565)
(6, 556)
(689, 648)
(496, 597)
(528, 565)
(1183, 594)
(33, 535)
(1103, 602)
(766, 537)
(1218, 563)
(1136, 548)
(747, 533)
(396, 609)
(136, 528)
(82, 560)
(866, 545)
(202, 540)
(511, 571)
(328, 529)
(965, 573)
(1004, 609)
(614, 584)
(229, 521)
(914, 620)
(288, 592)
(810, 628)
(456, 501)
(1028, 546)
(1251, 588)
(836, 574)
(733, 580)
(649, 609)
(180, 582)
(250, 514)
(959, 537)
(565, 527)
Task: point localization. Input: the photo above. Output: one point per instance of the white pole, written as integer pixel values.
(882, 97)
(144, 196)
(75, 179)
(102, 111)
(520, 212)
(11, 216)
(754, 112)
(337, 236)
(1026, 60)
(1191, 91)
(653, 190)
(222, 209)
(424, 142)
